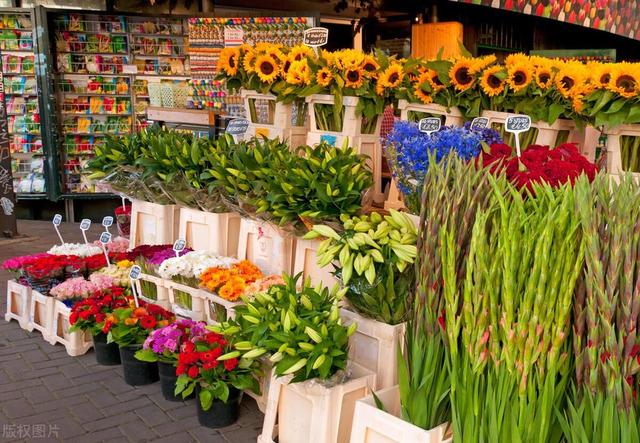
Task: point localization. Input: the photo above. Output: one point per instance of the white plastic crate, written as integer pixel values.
(153, 224)
(268, 247)
(375, 346)
(373, 425)
(306, 261)
(208, 231)
(213, 303)
(41, 314)
(197, 301)
(18, 303)
(161, 288)
(309, 412)
(76, 343)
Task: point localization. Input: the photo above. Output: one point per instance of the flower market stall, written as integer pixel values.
(500, 304)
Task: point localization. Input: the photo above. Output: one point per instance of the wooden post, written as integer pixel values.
(8, 225)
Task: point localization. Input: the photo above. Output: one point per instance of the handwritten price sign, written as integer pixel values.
(429, 125)
(479, 123)
(237, 126)
(316, 37)
(517, 124)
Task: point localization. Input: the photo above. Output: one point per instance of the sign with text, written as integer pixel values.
(85, 224)
(316, 37)
(429, 125)
(105, 238)
(479, 123)
(516, 124)
(106, 222)
(57, 219)
(237, 126)
(179, 246)
(135, 272)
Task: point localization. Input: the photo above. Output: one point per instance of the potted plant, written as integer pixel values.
(90, 315)
(373, 258)
(163, 347)
(209, 365)
(313, 389)
(129, 327)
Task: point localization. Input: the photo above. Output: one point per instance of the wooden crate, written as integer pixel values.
(153, 224)
(208, 231)
(268, 247)
(161, 288)
(452, 116)
(373, 425)
(18, 303)
(614, 153)
(41, 314)
(367, 144)
(281, 127)
(309, 412)
(306, 261)
(76, 343)
(433, 40)
(375, 346)
(213, 303)
(197, 301)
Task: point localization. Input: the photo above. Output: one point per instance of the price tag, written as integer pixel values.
(237, 126)
(178, 246)
(429, 125)
(315, 37)
(106, 222)
(479, 123)
(85, 224)
(57, 219)
(330, 139)
(134, 275)
(105, 238)
(517, 124)
(129, 69)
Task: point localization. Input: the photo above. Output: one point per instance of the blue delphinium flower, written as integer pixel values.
(488, 135)
(408, 151)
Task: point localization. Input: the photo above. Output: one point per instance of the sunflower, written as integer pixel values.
(299, 52)
(329, 57)
(353, 78)
(479, 64)
(324, 77)
(577, 103)
(516, 59)
(423, 87)
(286, 64)
(434, 81)
(601, 74)
(460, 74)
(519, 76)
(228, 61)
(247, 61)
(266, 68)
(299, 73)
(625, 80)
(349, 58)
(370, 65)
(543, 76)
(569, 80)
(390, 78)
(492, 81)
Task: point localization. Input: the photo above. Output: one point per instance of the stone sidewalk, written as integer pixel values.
(45, 395)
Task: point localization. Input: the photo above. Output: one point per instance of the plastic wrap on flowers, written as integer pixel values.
(123, 220)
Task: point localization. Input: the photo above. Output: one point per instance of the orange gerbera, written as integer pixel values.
(233, 289)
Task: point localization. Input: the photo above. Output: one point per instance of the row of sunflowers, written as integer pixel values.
(546, 89)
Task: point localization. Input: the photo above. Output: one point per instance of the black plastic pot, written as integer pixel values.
(220, 414)
(107, 354)
(137, 372)
(168, 380)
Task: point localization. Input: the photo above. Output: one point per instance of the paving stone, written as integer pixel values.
(17, 408)
(152, 415)
(86, 412)
(108, 422)
(202, 434)
(136, 433)
(242, 435)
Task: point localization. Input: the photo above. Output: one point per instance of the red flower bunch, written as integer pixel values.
(211, 361)
(92, 313)
(131, 325)
(147, 251)
(47, 266)
(539, 163)
(123, 210)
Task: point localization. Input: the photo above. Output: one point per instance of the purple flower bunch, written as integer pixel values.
(165, 342)
(160, 256)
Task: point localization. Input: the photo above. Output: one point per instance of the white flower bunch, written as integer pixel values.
(78, 249)
(193, 264)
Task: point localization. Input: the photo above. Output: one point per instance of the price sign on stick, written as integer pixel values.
(134, 274)
(429, 125)
(106, 222)
(315, 37)
(85, 224)
(105, 238)
(237, 126)
(57, 219)
(179, 246)
(479, 123)
(516, 124)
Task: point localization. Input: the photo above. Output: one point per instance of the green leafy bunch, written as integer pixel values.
(299, 329)
(372, 256)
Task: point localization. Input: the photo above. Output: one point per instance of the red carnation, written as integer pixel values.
(84, 315)
(230, 364)
(193, 372)
(211, 364)
(73, 317)
(181, 369)
(148, 322)
(100, 317)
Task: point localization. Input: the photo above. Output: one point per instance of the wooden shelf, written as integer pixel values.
(187, 116)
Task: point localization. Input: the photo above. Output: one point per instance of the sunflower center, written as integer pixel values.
(519, 78)
(436, 80)
(567, 82)
(462, 76)
(232, 62)
(544, 78)
(286, 66)
(605, 78)
(266, 68)
(494, 81)
(353, 76)
(369, 67)
(394, 77)
(626, 83)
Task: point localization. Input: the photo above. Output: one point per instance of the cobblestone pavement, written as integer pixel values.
(46, 395)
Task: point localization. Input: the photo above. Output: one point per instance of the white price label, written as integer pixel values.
(429, 125)
(85, 224)
(57, 219)
(479, 123)
(316, 37)
(517, 123)
(178, 246)
(105, 238)
(107, 221)
(134, 273)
